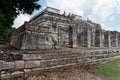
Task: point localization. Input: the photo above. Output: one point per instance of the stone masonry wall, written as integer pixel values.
(21, 63)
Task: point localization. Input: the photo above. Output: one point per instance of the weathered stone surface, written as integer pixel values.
(27, 70)
(29, 64)
(37, 63)
(18, 56)
(4, 76)
(26, 56)
(19, 64)
(1, 64)
(17, 74)
(34, 56)
(32, 64)
(8, 65)
(39, 56)
(7, 56)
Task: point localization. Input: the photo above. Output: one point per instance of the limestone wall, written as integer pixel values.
(21, 63)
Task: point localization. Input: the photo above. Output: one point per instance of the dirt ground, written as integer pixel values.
(60, 74)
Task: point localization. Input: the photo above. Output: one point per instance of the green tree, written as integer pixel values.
(9, 9)
(4, 34)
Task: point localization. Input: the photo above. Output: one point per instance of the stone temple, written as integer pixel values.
(51, 30)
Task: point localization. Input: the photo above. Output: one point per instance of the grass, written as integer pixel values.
(109, 69)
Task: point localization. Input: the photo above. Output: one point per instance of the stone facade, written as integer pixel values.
(51, 30)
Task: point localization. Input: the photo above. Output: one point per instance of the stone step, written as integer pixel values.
(32, 71)
(16, 65)
(99, 56)
(50, 56)
(97, 61)
(53, 62)
(101, 52)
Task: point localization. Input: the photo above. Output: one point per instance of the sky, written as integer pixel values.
(104, 12)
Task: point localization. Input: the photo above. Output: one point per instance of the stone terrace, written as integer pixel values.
(19, 63)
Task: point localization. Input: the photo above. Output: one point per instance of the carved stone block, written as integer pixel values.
(32, 64)
(26, 56)
(8, 65)
(19, 64)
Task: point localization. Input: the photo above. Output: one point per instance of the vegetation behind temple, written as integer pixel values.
(9, 9)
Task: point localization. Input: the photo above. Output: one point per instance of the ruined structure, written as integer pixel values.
(89, 45)
(49, 30)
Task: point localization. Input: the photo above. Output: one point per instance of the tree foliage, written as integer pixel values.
(4, 34)
(9, 9)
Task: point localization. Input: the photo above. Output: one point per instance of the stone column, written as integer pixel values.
(93, 38)
(72, 37)
(100, 39)
(88, 38)
(116, 40)
(74, 40)
(109, 39)
(103, 39)
(59, 38)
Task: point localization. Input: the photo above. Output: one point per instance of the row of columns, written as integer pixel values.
(109, 39)
(91, 39)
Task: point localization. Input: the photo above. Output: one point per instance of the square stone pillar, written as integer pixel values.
(93, 38)
(109, 39)
(72, 37)
(88, 38)
(100, 39)
(116, 40)
(74, 40)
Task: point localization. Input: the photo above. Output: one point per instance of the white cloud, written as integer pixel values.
(72, 6)
(107, 27)
(103, 10)
(118, 6)
(20, 20)
(112, 18)
(111, 28)
(100, 9)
